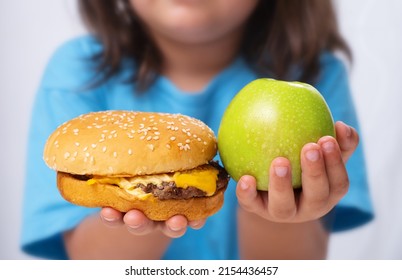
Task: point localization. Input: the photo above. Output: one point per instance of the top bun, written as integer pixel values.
(126, 143)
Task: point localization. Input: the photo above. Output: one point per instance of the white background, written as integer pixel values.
(31, 30)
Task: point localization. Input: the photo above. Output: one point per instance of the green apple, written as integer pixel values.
(267, 119)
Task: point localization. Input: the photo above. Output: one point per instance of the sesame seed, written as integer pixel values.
(151, 147)
(104, 149)
(172, 138)
(85, 149)
(115, 154)
(142, 137)
(149, 138)
(77, 144)
(168, 146)
(93, 146)
(188, 141)
(130, 152)
(66, 155)
(155, 137)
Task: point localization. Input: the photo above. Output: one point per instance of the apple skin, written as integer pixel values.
(267, 119)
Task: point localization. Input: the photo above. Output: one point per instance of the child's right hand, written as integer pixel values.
(138, 224)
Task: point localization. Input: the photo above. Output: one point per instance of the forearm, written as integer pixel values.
(91, 239)
(262, 239)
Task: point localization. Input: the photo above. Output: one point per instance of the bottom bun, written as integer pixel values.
(103, 195)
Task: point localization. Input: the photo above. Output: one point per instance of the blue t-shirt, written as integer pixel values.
(63, 95)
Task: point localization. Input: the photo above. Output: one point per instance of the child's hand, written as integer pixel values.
(137, 223)
(324, 179)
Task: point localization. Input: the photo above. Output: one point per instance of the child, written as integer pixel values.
(192, 57)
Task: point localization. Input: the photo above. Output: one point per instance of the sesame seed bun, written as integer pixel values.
(129, 143)
(108, 146)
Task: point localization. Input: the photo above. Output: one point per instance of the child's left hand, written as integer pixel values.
(324, 181)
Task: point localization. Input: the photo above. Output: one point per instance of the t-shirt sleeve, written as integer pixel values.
(63, 94)
(355, 208)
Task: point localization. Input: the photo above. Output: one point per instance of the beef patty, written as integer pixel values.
(169, 190)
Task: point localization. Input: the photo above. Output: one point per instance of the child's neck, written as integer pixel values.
(192, 66)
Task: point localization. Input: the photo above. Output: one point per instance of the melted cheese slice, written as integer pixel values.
(203, 178)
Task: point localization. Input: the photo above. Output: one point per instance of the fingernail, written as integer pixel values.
(243, 186)
(312, 155)
(174, 228)
(135, 226)
(109, 219)
(348, 131)
(281, 171)
(328, 146)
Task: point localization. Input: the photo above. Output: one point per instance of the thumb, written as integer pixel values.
(246, 192)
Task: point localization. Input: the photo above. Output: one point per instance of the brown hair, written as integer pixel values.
(280, 35)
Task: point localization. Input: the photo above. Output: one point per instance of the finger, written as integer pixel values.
(137, 223)
(175, 226)
(348, 139)
(335, 167)
(315, 193)
(247, 194)
(281, 199)
(111, 217)
(198, 224)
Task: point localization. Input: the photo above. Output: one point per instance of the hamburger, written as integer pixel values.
(161, 164)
